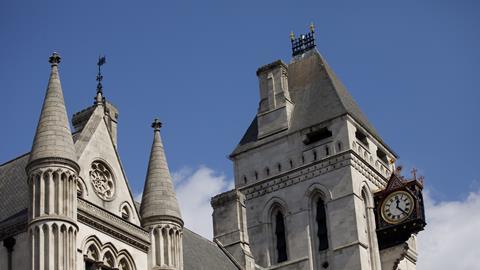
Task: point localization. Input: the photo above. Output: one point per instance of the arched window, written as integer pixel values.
(279, 167)
(327, 151)
(108, 260)
(280, 238)
(267, 171)
(124, 265)
(321, 220)
(314, 155)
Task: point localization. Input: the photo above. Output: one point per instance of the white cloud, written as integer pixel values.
(194, 189)
(452, 235)
(449, 241)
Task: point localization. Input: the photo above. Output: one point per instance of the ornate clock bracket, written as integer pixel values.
(399, 209)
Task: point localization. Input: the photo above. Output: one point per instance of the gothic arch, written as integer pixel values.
(95, 251)
(91, 240)
(109, 247)
(316, 200)
(125, 207)
(274, 216)
(316, 189)
(108, 259)
(82, 189)
(270, 205)
(123, 255)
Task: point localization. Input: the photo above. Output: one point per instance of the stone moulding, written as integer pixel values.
(112, 225)
(346, 158)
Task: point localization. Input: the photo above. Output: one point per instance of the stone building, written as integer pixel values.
(305, 171)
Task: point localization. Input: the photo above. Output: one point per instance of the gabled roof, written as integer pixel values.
(318, 96)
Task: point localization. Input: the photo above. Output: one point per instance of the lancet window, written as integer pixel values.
(321, 222)
(280, 236)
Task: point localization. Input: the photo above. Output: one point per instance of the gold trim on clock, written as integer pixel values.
(397, 207)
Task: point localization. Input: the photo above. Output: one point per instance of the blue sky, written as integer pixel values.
(412, 66)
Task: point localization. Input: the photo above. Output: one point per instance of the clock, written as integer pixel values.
(397, 207)
(399, 210)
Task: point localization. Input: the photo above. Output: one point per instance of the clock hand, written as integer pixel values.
(401, 210)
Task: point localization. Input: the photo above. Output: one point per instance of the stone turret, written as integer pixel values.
(159, 210)
(52, 175)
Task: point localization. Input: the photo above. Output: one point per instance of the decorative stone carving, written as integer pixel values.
(102, 180)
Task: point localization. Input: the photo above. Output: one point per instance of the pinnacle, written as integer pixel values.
(53, 138)
(159, 201)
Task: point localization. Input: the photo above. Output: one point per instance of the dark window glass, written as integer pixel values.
(321, 219)
(280, 235)
(361, 137)
(89, 265)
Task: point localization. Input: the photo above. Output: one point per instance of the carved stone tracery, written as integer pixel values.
(102, 180)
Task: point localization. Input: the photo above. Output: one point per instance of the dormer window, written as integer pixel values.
(361, 137)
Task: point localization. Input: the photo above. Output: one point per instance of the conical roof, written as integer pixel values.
(53, 138)
(159, 202)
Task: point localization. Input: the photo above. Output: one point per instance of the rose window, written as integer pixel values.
(102, 180)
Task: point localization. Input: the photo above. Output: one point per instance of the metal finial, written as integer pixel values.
(292, 36)
(156, 125)
(304, 42)
(101, 61)
(54, 59)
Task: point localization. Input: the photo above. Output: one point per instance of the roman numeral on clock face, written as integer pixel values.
(397, 207)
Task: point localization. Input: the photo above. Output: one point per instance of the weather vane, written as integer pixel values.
(101, 61)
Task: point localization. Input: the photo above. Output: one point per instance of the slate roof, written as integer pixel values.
(13, 186)
(318, 96)
(202, 254)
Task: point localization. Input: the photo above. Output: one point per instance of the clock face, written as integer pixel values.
(397, 207)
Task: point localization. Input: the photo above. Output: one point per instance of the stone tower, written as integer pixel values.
(307, 167)
(159, 210)
(52, 175)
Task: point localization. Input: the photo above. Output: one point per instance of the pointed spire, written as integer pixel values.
(53, 138)
(159, 202)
